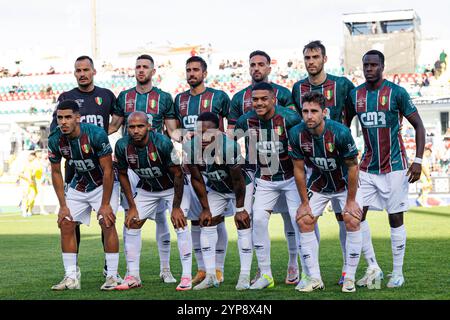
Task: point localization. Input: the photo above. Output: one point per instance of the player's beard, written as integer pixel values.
(144, 82)
(85, 85)
(196, 83)
(317, 72)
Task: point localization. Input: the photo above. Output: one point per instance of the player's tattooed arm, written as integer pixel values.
(300, 181)
(58, 185)
(351, 205)
(242, 218)
(177, 216)
(200, 190)
(105, 210)
(132, 215)
(415, 169)
(114, 125)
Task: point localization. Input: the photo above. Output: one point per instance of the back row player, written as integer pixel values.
(241, 104)
(95, 106)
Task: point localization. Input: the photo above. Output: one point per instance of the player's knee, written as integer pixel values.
(67, 226)
(351, 224)
(306, 224)
(260, 218)
(396, 220)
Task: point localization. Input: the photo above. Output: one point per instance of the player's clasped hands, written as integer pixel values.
(107, 215)
(64, 213)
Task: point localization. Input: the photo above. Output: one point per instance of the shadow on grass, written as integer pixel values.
(30, 264)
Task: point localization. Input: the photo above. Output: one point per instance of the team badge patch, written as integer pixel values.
(330, 146)
(153, 156)
(86, 148)
(329, 94)
(153, 104)
(206, 104)
(279, 130)
(383, 100)
(98, 100)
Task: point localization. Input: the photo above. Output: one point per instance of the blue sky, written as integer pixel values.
(52, 27)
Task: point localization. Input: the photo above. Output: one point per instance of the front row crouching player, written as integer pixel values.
(327, 147)
(227, 184)
(86, 146)
(151, 156)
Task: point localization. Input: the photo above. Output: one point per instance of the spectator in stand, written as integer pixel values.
(443, 60)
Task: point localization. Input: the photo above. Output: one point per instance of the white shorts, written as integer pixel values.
(195, 207)
(269, 193)
(148, 203)
(220, 202)
(280, 205)
(318, 201)
(81, 204)
(387, 191)
(134, 180)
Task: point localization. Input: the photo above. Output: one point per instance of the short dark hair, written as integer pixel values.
(68, 105)
(85, 58)
(209, 116)
(314, 96)
(146, 57)
(314, 45)
(263, 86)
(375, 52)
(260, 53)
(198, 59)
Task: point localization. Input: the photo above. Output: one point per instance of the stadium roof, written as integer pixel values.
(380, 16)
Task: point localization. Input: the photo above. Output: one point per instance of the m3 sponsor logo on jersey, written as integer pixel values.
(190, 121)
(373, 119)
(325, 164)
(84, 165)
(149, 173)
(217, 175)
(93, 119)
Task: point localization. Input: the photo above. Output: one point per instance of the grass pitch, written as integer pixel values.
(30, 261)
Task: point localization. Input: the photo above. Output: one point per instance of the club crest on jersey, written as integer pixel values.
(86, 148)
(98, 100)
(153, 104)
(206, 104)
(383, 100)
(329, 94)
(330, 146)
(279, 130)
(153, 156)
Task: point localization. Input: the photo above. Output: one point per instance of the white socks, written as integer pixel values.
(221, 246)
(398, 244)
(261, 240)
(195, 232)
(184, 242)
(310, 253)
(291, 241)
(367, 247)
(342, 240)
(112, 263)
(208, 239)
(353, 248)
(133, 245)
(70, 264)
(163, 239)
(245, 250)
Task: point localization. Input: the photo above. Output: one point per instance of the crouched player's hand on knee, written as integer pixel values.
(64, 213)
(106, 214)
